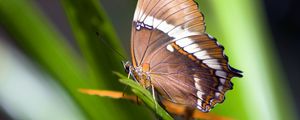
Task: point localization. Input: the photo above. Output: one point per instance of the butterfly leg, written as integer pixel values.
(129, 73)
(154, 96)
(128, 76)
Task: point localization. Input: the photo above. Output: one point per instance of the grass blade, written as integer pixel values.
(35, 35)
(86, 19)
(145, 95)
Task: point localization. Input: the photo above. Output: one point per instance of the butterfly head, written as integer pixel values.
(127, 66)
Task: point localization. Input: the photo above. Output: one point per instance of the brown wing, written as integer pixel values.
(187, 66)
(154, 18)
(197, 79)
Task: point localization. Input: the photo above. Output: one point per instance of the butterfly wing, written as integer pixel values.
(197, 79)
(187, 66)
(154, 18)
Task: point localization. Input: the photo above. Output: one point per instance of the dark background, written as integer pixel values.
(283, 17)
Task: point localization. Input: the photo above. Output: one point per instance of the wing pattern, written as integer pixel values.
(186, 65)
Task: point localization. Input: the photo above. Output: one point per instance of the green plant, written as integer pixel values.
(238, 25)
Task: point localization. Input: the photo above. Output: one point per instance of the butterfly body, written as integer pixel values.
(171, 51)
(140, 73)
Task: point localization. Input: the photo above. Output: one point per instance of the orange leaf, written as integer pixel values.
(170, 107)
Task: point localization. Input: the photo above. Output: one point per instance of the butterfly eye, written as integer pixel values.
(126, 66)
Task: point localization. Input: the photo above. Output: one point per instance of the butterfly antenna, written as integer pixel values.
(107, 45)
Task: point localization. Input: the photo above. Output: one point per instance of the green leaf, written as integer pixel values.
(39, 39)
(36, 36)
(145, 95)
(86, 18)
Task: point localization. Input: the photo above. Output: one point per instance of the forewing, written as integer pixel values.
(157, 22)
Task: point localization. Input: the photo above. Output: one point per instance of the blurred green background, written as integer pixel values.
(49, 49)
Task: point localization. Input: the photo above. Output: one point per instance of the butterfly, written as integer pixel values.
(172, 53)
